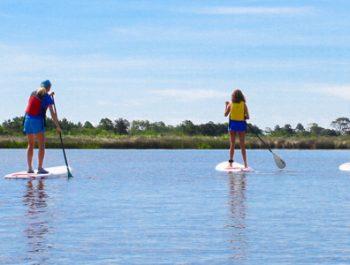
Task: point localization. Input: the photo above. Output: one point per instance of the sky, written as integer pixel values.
(178, 60)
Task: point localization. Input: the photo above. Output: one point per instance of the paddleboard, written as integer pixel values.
(345, 167)
(236, 167)
(54, 172)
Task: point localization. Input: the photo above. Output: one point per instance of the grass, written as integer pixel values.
(180, 142)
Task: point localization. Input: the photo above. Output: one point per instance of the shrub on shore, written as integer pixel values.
(180, 142)
(121, 133)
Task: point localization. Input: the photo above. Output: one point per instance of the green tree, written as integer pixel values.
(300, 128)
(315, 129)
(208, 129)
(158, 127)
(121, 126)
(277, 129)
(254, 129)
(13, 126)
(287, 129)
(88, 125)
(268, 130)
(341, 125)
(139, 126)
(329, 132)
(67, 125)
(106, 124)
(188, 128)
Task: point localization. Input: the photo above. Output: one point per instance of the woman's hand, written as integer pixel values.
(227, 108)
(52, 93)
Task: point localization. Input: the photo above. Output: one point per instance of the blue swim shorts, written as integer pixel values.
(237, 126)
(33, 125)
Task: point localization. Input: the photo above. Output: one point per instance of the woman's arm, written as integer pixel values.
(246, 112)
(227, 108)
(55, 119)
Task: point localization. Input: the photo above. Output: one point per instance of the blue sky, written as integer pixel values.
(178, 60)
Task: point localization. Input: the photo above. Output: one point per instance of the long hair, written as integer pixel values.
(237, 96)
(41, 91)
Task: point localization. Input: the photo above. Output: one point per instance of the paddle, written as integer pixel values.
(279, 161)
(62, 145)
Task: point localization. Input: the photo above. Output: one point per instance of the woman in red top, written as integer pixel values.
(34, 123)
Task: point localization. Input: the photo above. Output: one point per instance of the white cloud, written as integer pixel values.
(234, 36)
(339, 91)
(189, 94)
(221, 10)
(103, 103)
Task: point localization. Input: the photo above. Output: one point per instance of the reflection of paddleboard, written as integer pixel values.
(54, 172)
(236, 167)
(345, 167)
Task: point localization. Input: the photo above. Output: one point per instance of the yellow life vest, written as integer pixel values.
(237, 111)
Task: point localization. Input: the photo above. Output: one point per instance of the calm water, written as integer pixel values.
(172, 207)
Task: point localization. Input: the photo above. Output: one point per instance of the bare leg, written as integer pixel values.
(232, 145)
(242, 145)
(30, 151)
(41, 145)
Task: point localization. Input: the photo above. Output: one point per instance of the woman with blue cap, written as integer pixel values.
(34, 123)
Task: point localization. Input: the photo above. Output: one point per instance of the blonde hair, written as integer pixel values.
(41, 91)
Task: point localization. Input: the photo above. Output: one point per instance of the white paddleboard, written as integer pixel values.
(54, 172)
(236, 167)
(345, 167)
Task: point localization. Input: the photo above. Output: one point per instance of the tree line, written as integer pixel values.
(106, 126)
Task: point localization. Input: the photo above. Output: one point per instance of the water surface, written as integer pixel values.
(172, 207)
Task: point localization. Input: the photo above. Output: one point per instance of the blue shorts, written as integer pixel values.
(237, 126)
(33, 125)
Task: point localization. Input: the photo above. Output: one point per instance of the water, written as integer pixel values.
(172, 207)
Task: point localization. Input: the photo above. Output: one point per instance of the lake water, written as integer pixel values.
(172, 207)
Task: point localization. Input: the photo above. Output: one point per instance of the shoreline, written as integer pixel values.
(178, 142)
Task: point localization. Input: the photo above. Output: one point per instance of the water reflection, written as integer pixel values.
(237, 225)
(35, 199)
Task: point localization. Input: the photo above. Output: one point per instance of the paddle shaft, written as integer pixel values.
(257, 135)
(279, 161)
(62, 145)
(64, 151)
(268, 147)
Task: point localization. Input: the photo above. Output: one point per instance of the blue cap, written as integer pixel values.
(46, 84)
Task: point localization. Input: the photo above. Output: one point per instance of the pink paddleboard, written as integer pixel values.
(54, 172)
(236, 167)
(344, 167)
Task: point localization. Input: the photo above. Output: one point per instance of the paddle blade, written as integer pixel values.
(279, 162)
(70, 175)
(69, 172)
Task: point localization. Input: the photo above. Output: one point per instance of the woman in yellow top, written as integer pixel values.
(238, 113)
